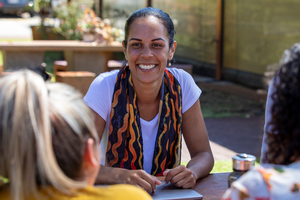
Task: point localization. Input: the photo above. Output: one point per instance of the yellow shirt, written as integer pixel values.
(114, 192)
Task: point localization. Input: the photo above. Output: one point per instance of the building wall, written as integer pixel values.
(195, 26)
(256, 32)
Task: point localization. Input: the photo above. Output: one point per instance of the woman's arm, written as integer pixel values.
(196, 138)
(112, 175)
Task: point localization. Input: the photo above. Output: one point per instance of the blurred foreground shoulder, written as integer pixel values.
(130, 192)
(115, 192)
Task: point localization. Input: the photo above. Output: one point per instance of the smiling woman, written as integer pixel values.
(147, 50)
(143, 110)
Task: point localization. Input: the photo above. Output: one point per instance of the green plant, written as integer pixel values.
(44, 9)
(117, 34)
(69, 14)
(4, 180)
(220, 166)
(1, 58)
(43, 30)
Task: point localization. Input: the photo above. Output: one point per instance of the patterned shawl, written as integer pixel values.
(125, 144)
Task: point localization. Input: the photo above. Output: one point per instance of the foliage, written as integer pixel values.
(94, 29)
(117, 34)
(222, 166)
(44, 6)
(77, 21)
(1, 58)
(4, 180)
(69, 14)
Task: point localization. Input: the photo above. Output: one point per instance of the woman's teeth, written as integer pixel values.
(146, 66)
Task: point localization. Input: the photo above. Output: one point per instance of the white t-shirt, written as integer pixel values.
(268, 118)
(99, 98)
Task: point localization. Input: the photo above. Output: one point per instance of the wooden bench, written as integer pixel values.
(81, 80)
(80, 56)
(59, 66)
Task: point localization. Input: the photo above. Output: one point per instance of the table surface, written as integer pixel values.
(59, 45)
(212, 187)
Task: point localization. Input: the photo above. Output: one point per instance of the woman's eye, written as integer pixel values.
(157, 45)
(136, 45)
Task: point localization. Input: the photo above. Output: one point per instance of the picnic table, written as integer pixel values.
(213, 186)
(81, 56)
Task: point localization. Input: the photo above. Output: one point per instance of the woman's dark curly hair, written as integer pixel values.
(284, 139)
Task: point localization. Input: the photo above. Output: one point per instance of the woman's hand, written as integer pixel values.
(139, 178)
(180, 176)
(111, 175)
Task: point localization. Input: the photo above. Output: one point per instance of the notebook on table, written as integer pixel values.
(169, 191)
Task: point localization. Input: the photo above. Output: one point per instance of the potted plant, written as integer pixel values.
(94, 29)
(69, 14)
(44, 8)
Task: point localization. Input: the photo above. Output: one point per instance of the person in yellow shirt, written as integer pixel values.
(49, 144)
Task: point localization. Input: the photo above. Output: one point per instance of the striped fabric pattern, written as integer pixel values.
(125, 143)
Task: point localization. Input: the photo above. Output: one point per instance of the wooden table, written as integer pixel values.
(81, 56)
(213, 186)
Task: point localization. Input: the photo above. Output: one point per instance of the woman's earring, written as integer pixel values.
(170, 64)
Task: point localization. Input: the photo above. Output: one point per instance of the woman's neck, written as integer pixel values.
(148, 97)
(147, 93)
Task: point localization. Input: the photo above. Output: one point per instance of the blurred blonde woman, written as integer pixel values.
(48, 143)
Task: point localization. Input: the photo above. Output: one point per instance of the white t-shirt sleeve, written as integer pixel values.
(98, 98)
(99, 95)
(190, 91)
(268, 117)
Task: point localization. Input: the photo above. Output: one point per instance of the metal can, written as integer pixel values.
(241, 163)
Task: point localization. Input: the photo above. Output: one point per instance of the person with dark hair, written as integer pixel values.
(281, 178)
(41, 70)
(142, 111)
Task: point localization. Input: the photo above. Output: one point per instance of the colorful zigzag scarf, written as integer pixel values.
(125, 144)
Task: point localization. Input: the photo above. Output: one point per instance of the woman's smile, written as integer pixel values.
(146, 67)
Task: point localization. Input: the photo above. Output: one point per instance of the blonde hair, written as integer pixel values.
(35, 119)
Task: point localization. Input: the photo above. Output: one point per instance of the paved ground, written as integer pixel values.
(229, 136)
